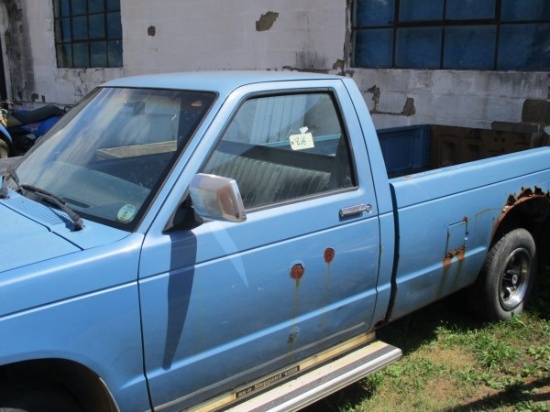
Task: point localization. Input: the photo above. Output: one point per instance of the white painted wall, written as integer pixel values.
(181, 35)
(213, 34)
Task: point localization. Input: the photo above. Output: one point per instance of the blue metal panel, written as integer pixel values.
(524, 47)
(374, 13)
(428, 203)
(81, 307)
(434, 184)
(513, 10)
(373, 48)
(418, 47)
(233, 293)
(405, 149)
(22, 235)
(470, 47)
(470, 9)
(377, 170)
(223, 85)
(52, 220)
(245, 310)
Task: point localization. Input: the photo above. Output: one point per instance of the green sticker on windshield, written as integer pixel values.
(126, 213)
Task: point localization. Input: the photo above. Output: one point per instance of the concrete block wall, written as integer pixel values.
(498, 100)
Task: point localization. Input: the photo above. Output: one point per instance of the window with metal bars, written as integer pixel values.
(88, 33)
(452, 34)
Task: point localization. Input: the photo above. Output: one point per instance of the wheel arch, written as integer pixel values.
(82, 383)
(529, 210)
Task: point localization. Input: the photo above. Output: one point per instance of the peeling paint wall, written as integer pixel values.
(490, 100)
(233, 34)
(313, 35)
(266, 21)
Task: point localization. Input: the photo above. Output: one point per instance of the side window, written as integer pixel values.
(285, 147)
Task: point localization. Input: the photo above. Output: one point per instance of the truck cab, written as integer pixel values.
(198, 303)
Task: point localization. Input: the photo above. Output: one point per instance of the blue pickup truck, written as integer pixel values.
(233, 240)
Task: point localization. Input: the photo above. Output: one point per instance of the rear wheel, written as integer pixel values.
(508, 275)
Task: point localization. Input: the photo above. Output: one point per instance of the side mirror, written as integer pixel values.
(216, 197)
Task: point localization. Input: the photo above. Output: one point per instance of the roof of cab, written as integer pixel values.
(213, 81)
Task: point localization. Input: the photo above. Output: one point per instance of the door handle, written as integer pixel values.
(355, 210)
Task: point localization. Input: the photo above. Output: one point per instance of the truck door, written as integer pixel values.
(240, 301)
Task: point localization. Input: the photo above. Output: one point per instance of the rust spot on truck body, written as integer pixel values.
(296, 273)
(329, 254)
(455, 253)
(526, 194)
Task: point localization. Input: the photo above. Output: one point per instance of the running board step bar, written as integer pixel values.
(320, 382)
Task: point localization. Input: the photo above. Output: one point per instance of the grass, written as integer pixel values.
(454, 362)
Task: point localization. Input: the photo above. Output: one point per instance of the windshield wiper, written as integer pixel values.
(10, 175)
(57, 201)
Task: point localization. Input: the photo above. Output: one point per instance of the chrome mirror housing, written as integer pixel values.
(217, 198)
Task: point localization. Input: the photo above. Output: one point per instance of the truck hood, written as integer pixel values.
(31, 232)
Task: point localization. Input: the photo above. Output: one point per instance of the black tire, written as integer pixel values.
(508, 275)
(36, 398)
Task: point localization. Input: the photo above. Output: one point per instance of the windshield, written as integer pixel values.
(109, 155)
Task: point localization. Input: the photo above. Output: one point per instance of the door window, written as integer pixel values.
(285, 147)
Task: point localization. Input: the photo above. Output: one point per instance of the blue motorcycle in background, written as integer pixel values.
(20, 129)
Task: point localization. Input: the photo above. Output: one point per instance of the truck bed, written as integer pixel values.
(446, 217)
(412, 149)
